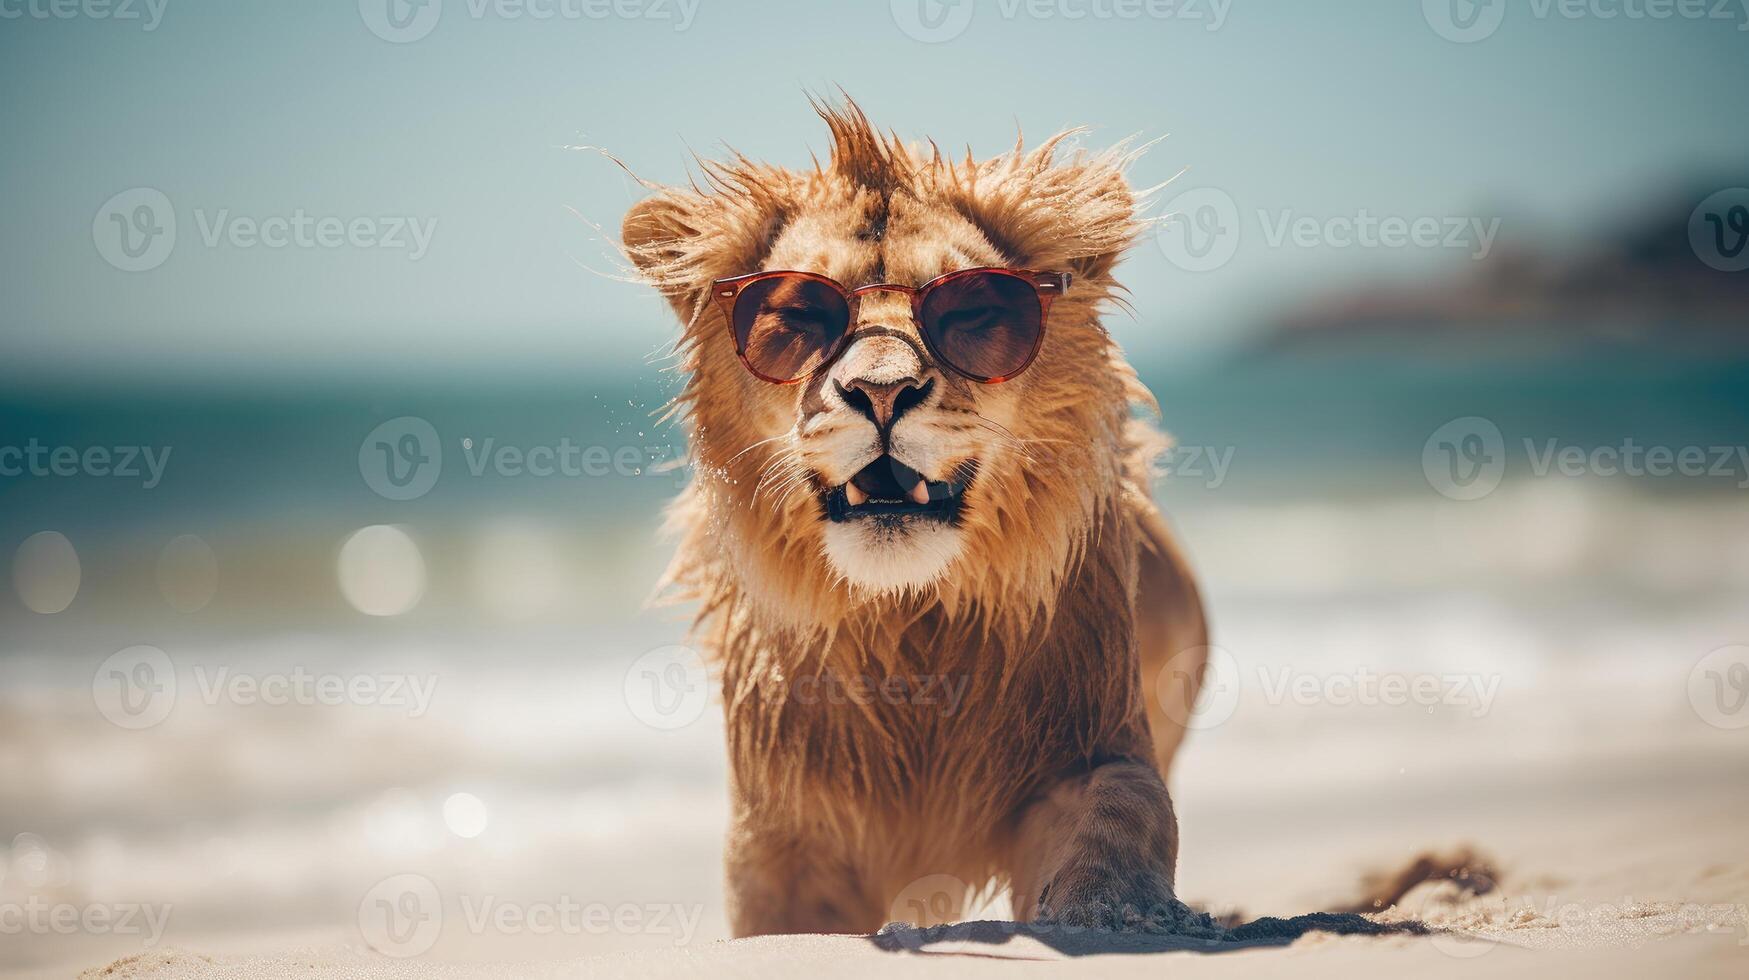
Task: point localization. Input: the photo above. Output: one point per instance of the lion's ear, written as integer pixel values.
(680, 240)
(1077, 215)
(656, 234)
(1103, 211)
(654, 225)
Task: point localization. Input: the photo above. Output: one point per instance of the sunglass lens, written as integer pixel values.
(786, 326)
(984, 324)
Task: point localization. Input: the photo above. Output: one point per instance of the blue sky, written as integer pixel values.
(240, 113)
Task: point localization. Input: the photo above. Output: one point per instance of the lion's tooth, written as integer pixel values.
(920, 491)
(854, 494)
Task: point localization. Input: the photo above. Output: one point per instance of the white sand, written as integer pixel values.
(1612, 809)
(1593, 881)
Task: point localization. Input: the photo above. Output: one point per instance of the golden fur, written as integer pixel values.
(1052, 607)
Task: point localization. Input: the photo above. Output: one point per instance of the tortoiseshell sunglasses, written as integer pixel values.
(986, 324)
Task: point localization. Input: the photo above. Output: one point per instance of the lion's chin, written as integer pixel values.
(892, 554)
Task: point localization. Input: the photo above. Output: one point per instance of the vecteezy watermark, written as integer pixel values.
(1363, 229)
(302, 230)
(1465, 459)
(567, 458)
(1200, 232)
(36, 916)
(668, 688)
(1364, 688)
(147, 13)
(1469, 21)
(143, 463)
(1490, 914)
(30, 868)
(406, 21)
(138, 687)
(403, 915)
(930, 900)
(1206, 463)
(1203, 228)
(1634, 460)
(1718, 688)
(1202, 688)
(402, 458)
(935, 21)
(1464, 21)
(565, 916)
(136, 230)
(1718, 230)
(946, 692)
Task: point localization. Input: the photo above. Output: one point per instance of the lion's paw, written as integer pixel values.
(1138, 903)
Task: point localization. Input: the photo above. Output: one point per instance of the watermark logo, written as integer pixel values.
(1201, 230)
(930, 900)
(1718, 230)
(400, 21)
(406, 21)
(569, 458)
(1718, 688)
(1439, 900)
(1480, 916)
(1469, 21)
(1363, 687)
(305, 231)
(668, 687)
(36, 916)
(935, 21)
(566, 916)
(1200, 687)
(1465, 459)
(135, 688)
(135, 230)
(401, 915)
(143, 463)
(138, 687)
(1363, 229)
(149, 13)
(1206, 463)
(401, 458)
(944, 692)
(1464, 21)
(932, 21)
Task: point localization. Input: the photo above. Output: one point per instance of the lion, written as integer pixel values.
(887, 525)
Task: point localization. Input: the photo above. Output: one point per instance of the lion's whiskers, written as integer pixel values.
(754, 446)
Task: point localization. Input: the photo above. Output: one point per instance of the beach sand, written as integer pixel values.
(1634, 868)
(1572, 749)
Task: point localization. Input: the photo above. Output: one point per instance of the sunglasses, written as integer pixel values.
(986, 324)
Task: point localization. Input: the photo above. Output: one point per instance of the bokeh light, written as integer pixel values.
(45, 571)
(465, 815)
(188, 573)
(382, 572)
(517, 572)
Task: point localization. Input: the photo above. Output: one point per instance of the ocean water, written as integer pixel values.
(502, 729)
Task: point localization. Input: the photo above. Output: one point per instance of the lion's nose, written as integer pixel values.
(884, 402)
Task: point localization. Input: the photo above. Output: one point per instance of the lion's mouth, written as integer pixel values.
(890, 489)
